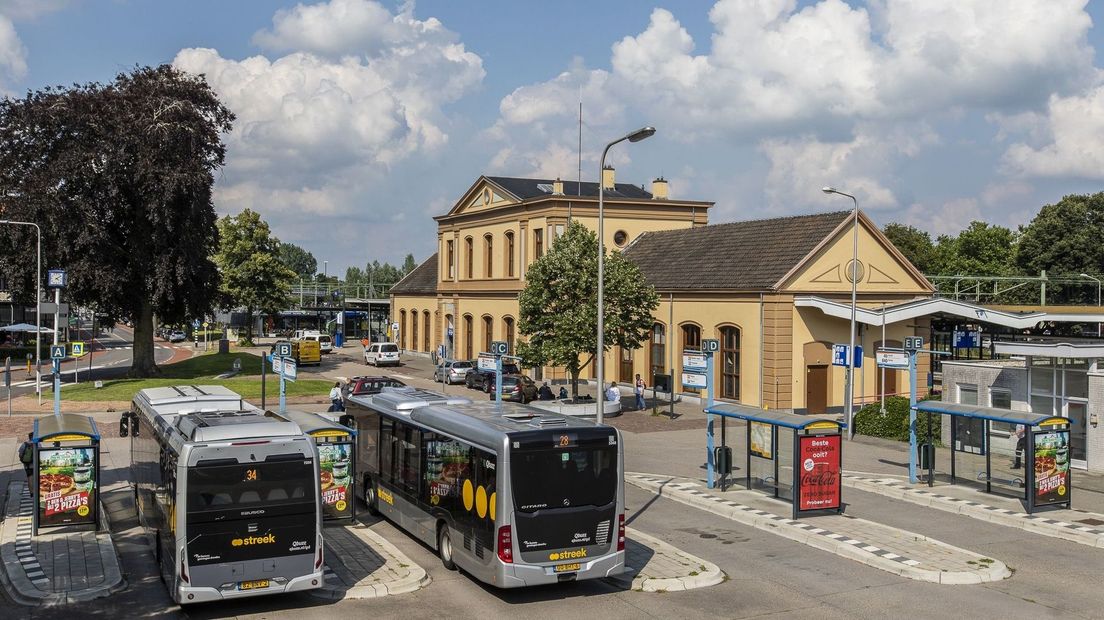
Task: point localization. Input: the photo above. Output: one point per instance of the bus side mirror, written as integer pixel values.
(124, 425)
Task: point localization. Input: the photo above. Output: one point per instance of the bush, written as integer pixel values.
(895, 423)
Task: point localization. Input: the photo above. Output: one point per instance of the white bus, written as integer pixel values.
(513, 495)
(227, 495)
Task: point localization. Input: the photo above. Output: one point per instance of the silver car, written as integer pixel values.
(452, 371)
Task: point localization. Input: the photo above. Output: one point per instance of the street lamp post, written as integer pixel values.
(38, 307)
(636, 136)
(849, 389)
(1097, 280)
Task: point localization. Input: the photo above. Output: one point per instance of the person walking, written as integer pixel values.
(26, 457)
(335, 398)
(638, 392)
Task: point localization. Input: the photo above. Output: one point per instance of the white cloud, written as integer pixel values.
(13, 56)
(1072, 133)
(949, 218)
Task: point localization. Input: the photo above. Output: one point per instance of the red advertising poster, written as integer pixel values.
(819, 462)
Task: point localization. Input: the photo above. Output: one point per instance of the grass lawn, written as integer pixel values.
(201, 369)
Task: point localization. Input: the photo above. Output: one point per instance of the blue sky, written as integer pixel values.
(359, 120)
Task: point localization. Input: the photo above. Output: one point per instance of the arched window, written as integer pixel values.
(402, 329)
(426, 331)
(658, 351)
(488, 253)
(691, 339)
(488, 332)
(413, 330)
(469, 252)
(730, 362)
(509, 254)
(469, 337)
(508, 325)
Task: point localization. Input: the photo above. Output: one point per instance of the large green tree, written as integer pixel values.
(298, 260)
(558, 306)
(914, 243)
(1065, 239)
(981, 250)
(253, 276)
(119, 177)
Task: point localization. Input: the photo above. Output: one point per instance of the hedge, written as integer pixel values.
(895, 423)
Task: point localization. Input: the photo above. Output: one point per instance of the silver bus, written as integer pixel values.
(227, 495)
(513, 495)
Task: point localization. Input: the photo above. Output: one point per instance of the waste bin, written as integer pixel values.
(339, 339)
(224, 345)
(722, 459)
(927, 455)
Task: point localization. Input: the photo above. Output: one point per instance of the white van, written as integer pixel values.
(382, 354)
(325, 342)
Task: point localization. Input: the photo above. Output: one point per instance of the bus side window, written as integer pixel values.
(409, 472)
(387, 451)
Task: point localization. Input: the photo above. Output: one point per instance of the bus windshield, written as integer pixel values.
(564, 477)
(223, 491)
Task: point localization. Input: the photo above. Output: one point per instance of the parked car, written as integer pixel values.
(325, 342)
(516, 388)
(452, 371)
(382, 354)
(368, 385)
(177, 335)
(484, 379)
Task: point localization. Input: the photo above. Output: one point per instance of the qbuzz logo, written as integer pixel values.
(267, 539)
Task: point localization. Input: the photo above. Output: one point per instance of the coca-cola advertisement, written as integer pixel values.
(819, 472)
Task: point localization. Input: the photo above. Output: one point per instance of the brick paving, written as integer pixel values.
(362, 564)
(652, 565)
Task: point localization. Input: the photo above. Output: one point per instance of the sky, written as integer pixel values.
(359, 120)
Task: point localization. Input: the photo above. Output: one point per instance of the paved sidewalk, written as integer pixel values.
(1079, 526)
(655, 566)
(887, 548)
(362, 564)
(56, 567)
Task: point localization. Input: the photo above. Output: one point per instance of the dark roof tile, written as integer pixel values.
(751, 255)
(422, 280)
(527, 188)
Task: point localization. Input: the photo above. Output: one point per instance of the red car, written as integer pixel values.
(363, 386)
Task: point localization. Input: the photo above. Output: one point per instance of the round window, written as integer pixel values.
(620, 237)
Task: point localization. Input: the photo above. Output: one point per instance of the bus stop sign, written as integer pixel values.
(500, 347)
(710, 345)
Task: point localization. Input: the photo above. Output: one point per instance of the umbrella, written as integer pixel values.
(24, 327)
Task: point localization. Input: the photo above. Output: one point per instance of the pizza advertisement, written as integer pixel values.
(336, 471)
(66, 486)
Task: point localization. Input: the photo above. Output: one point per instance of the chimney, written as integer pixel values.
(607, 177)
(659, 189)
(557, 187)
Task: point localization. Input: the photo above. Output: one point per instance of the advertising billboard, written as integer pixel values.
(336, 466)
(819, 475)
(762, 440)
(1052, 467)
(66, 486)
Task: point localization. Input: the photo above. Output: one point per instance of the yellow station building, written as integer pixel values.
(769, 290)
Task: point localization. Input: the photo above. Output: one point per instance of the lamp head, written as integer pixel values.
(1084, 275)
(828, 189)
(642, 134)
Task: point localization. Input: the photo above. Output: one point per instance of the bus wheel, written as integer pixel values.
(444, 547)
(370, 497)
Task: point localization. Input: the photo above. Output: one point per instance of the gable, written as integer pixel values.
(483, 195)
(882, 269)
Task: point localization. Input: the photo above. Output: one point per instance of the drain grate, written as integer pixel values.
(1093, 522)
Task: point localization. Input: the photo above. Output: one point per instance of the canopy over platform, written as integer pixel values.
(1025, 418)
(314, 424)
(25, 327)
(777, 418)
(66, 427)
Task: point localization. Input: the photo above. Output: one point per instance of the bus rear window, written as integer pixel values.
(242, 486)
(562, 478)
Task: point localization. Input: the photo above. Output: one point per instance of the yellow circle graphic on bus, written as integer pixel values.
(494, 496)
(481, 502)
(469, 495)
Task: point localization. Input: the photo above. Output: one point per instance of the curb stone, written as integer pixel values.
(712, 575)
(890, 487)
(416, 578)
(994, 570)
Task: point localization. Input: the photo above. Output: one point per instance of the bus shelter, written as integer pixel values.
(335, 445)
(815, 462)
(66, 471)
(1045, 448)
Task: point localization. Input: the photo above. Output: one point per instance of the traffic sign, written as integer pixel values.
(913, 343)
(710, 345)
(283, 349)
(205, 324)
(57, 351)
(500, 347)
(839, 355)
(77, 349)
(195, 323)
(395, 328)
(966, 339)
(892, 359)
(290, 371)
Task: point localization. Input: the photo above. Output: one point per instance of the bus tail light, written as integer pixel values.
(621, 532)
(505, 545)
(184, 567)
(318, 555)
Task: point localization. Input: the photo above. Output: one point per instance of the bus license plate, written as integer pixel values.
(567, 568)
(253, 585)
